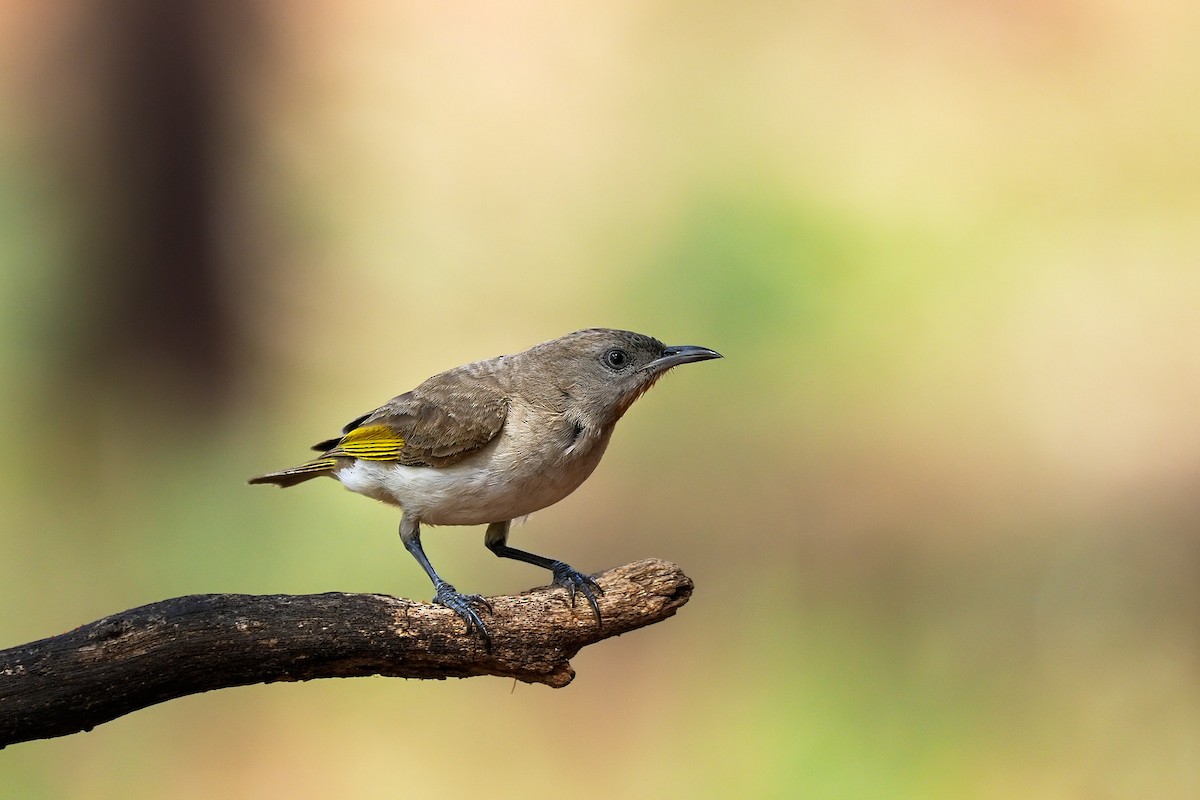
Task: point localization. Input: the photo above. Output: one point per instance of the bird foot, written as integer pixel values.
(464, 605)
(575, 581)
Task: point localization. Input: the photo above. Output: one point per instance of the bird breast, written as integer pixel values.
(538, 458)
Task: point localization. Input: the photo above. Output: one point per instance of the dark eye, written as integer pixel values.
(616, 358)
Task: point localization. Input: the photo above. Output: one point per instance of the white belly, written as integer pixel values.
(491, 486)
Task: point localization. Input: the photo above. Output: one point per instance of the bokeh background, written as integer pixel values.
(939, 500)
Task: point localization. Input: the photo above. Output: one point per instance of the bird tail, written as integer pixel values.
(293, 475)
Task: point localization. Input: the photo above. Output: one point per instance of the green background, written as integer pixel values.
(939, 500)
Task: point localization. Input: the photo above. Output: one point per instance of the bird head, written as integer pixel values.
(600, 372)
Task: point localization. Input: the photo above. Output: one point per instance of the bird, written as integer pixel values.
(493, 441)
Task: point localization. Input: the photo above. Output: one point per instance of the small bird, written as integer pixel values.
(494, 441)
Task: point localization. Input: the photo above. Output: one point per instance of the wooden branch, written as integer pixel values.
(101, 671)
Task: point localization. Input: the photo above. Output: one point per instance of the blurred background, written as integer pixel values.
(939, 500)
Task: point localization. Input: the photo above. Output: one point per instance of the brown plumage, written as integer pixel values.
(494, 440)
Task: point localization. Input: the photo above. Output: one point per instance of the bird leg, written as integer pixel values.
(444, 594)
(496, 540)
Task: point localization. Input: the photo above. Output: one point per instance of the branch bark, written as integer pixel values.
(127, 661)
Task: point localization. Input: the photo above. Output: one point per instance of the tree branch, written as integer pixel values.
(101, 671)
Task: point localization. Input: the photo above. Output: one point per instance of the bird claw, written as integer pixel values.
(463, 605)
(575, 581)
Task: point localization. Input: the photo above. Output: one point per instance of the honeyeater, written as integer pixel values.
(494, 441)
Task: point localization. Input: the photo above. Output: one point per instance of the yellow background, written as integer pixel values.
(939, 500)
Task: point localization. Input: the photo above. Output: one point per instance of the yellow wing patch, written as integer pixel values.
(372, 443)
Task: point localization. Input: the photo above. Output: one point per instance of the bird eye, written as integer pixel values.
(616, 358)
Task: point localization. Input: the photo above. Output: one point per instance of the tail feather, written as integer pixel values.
(299, 474)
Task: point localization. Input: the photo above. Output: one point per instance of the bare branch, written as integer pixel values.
(185, 645)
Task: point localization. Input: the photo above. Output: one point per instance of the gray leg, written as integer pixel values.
(496, 540)
(444, 594)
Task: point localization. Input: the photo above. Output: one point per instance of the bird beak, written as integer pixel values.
(675, 355)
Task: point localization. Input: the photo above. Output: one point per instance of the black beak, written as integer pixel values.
(675, 355)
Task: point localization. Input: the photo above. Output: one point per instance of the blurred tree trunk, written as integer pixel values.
(158, 321)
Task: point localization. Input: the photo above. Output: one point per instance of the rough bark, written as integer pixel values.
(136, 658)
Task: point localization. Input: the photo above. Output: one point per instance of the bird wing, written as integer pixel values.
(429, 426)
